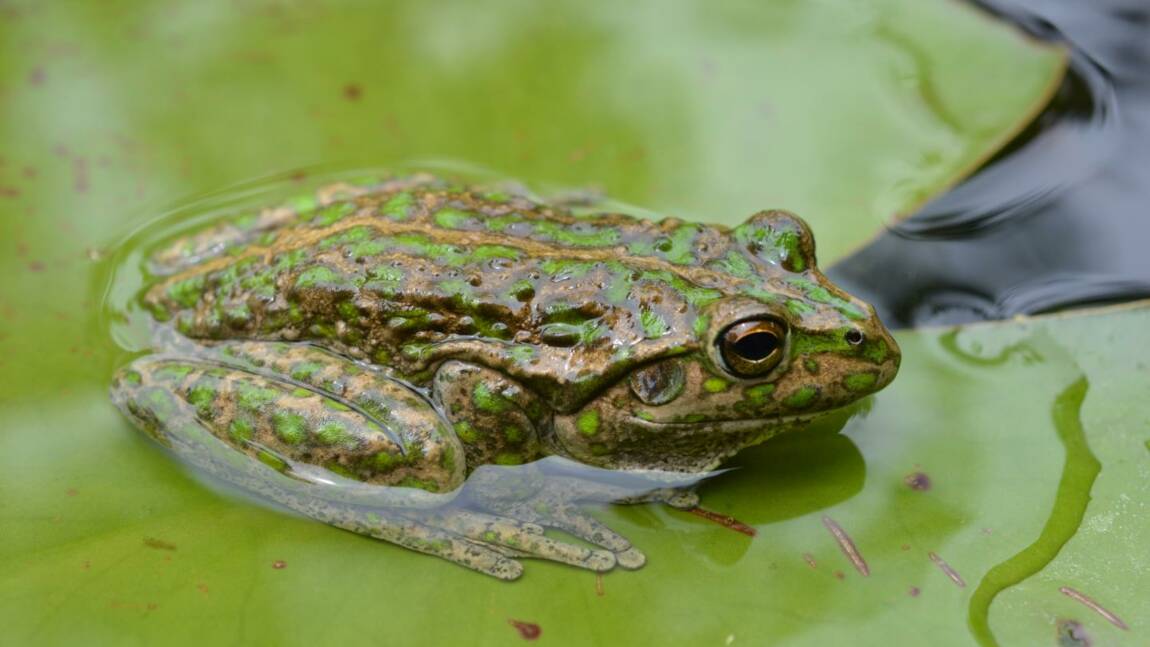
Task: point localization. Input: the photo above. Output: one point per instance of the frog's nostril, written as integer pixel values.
(854, 337)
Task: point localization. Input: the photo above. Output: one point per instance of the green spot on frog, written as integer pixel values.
(451, 218)
(290, 427)
(318, 275)
(201, 396)
(860, 381)
(241, 430)
(487, 400)
(799, 308)
(386, 461)
(174, 371)
(334, 433)
(700, 326)
(715, 385)
(398, 207)
(588, 423)
(654, 326)
(186, 293)
(802, 398)
(332, 214)
(254, 398)
(760, 393)
(420, 484)
(811, 365)
(335, 405)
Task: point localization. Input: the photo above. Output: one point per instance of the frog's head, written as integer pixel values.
(782, 347)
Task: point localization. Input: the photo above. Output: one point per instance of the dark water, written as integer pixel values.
(1059, 219)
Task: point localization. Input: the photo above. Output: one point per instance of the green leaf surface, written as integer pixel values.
(847, 112)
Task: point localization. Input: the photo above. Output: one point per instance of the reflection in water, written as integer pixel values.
(1058, 219)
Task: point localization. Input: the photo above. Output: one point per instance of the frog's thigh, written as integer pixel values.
(493, 416)
(286, 423)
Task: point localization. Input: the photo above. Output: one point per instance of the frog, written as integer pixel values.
(361, 352)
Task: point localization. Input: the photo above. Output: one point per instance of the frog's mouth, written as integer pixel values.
(728, 425)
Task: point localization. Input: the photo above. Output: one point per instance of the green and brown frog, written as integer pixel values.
(355, 356)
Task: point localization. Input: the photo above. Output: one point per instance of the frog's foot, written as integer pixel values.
(552, 502)
(678, 498)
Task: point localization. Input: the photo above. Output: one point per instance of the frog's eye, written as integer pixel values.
(753, 348)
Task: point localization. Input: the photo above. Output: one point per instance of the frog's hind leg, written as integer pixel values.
(211, 416)
(326, 434)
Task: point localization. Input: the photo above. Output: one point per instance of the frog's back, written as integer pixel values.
(412, 272)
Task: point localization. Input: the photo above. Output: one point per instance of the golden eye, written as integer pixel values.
(753, 348)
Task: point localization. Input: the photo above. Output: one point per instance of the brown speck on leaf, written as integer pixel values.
(80, 175)
(914, 591)
(947, 570)
(36, 76)
(527, 630)
(152, 606)
(30, 172)
(202, 588)
(279, 564)
(87, 565)
(352, 92)
(847, 545)
(905, 547)
(723, 520)
(158, 544)
(1094, 606)
(918, 481)
(1071, 633)
(298, 176)
(71, 491)
(599, 584)
(840, 575)
(9, 192)
(810, 560)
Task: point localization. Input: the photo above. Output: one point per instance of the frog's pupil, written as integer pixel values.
(756, 346)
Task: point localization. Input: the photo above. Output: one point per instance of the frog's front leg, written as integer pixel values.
(326, 434)
(495, 418)
(499, 422)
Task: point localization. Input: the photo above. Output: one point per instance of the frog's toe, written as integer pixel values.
(630, 559)
(572, 520)
(512, 538)
(681, 499)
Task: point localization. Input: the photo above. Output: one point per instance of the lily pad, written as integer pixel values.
(847, 112)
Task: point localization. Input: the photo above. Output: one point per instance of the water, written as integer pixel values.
(1058, 219)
